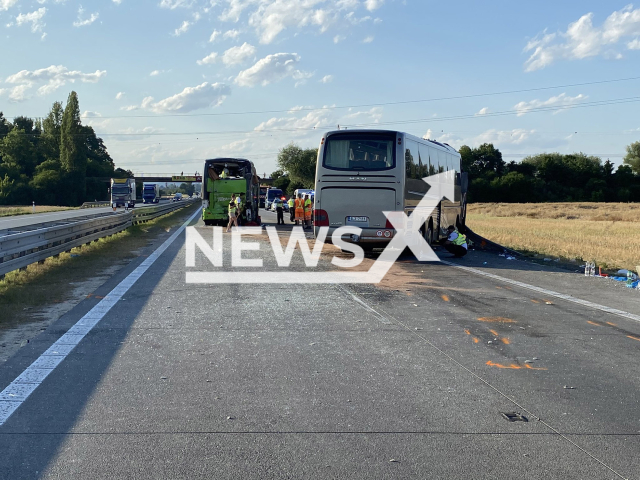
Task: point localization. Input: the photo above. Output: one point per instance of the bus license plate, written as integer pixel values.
(359, 220)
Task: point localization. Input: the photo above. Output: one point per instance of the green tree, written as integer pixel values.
(51, 132)
(632, 158)
(280, 180)
(299, 164)
(73, 157)
(18, 153)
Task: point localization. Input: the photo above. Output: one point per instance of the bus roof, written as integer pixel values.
(439, 145)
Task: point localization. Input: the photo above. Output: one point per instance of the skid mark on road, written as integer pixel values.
(514, 366)
(394, 320)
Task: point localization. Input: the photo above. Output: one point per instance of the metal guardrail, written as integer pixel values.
(23, 246)
(105, 203)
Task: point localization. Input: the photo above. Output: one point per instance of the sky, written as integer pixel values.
(169, 83)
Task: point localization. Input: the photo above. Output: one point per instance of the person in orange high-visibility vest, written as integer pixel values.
(299, 210)
(307, 211)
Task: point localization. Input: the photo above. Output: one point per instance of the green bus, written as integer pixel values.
(224, 177)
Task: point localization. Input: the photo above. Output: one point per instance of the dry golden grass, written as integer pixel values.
(607, 233)
(11, 211)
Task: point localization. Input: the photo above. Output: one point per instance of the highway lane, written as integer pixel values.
(404, 379)
(30, 219)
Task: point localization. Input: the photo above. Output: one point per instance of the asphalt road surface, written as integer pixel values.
(406, 379)
(16, 221)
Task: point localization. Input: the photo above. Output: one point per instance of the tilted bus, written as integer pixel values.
(224, 177)
(362, 173)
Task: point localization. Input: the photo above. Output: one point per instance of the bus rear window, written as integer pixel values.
(360, 152)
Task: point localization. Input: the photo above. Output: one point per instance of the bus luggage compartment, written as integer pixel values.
(361, 207)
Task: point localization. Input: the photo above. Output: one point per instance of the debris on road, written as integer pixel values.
(567, 387)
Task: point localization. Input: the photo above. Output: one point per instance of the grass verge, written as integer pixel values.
(13, 211)
(608, 234)
(24, 293)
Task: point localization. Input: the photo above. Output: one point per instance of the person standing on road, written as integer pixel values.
(307, 212)
(279, 210)
(240, 206)
(299, 210)
(456, 242)
(292, 210)
(233, 214)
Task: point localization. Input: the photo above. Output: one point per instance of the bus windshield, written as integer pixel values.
(360, 151)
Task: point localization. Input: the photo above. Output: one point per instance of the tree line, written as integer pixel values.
(55, 160)
(546, 177)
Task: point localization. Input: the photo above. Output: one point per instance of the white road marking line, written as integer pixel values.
(19, 390)
(563, 296)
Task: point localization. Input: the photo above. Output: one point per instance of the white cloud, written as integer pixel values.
(155, 73)
(483, 111)
(215, 34)
(238, 146)
(7, 4)
(583, 40)
(87, 21)
(18, 94)
(190, 99)
(119, 95)
(561, 101)
(182, 28)
(338, 38)
(272, 68)
(211, 58)
(368, 39)
(634, 44)
(90, 114)
(173, 4)
(327, 79)
(34, 18)
(373, 4)
(231, 34)
(117, 2)
(237, 55)
(519, 139)
(53, 78)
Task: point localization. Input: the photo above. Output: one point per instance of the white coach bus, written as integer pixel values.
(362, 173)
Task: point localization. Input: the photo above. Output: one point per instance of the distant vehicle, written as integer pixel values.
(263, 196)
(177, 197)
(150, 193)
(360, 174)
(272, 193)
(223, 178)
(123, 192)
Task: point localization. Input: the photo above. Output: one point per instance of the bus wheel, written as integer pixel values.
(207, 223)
(429, 234)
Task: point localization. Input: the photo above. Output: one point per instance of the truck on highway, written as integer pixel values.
(123, 192)
(223, 178)
(150, 193)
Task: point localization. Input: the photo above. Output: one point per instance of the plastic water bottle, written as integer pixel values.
(587, 268)
(629, 279)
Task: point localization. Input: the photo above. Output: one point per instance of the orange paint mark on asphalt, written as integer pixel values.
(548, 302)
(496, 320)
(499, 288)
(505, 341)
(466, 330)
(593, 323)
(633, 338)
(494, 332)
(445, 297)
(535, 301)
(513, 366)
(476, 340)
(612, 324)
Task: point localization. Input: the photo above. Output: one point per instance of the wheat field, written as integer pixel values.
(607, 233)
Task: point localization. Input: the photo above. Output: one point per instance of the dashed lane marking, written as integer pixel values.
(545, 292)
(19, 390)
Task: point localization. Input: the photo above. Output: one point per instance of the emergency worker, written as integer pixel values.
(299, 204)
(292, 211)
(307, 211)
(456, 242)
